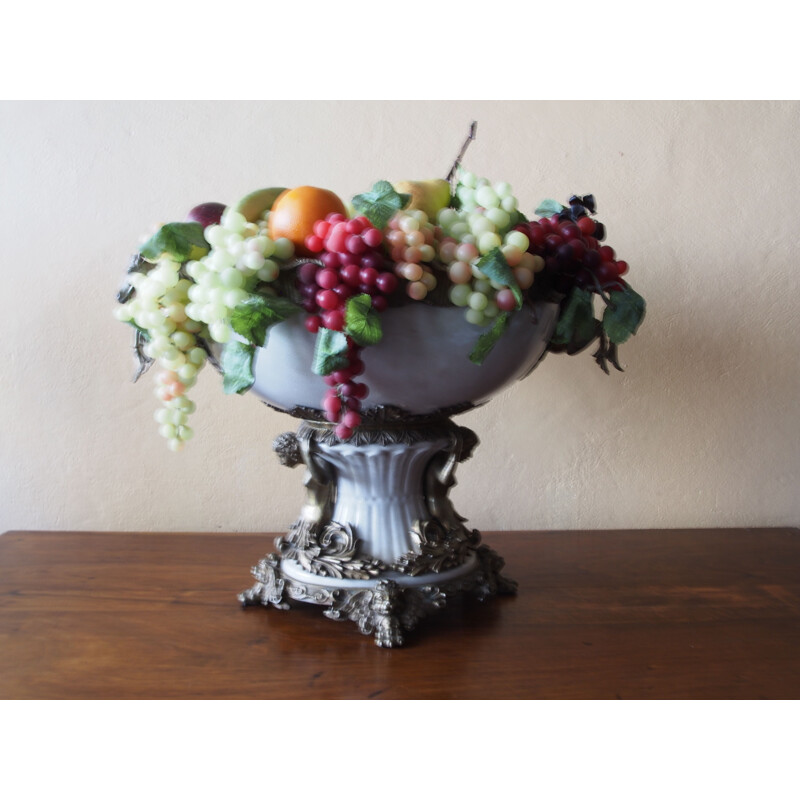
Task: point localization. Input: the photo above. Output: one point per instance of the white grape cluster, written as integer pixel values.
(158, 307)
(483, 222)
(173, 310)
(241, 256)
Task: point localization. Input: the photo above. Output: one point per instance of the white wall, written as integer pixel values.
(701, 430)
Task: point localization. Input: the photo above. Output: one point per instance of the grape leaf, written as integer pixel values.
(495, 267)
(254, 316)
(330, 352)
(362, 323)
(139, 329)
(381, 204)
(587, 202)
(576, 322)
(236, 364)
(489, 339)
(624, 315)
(549, 207)
(179, 240)
(517, 217)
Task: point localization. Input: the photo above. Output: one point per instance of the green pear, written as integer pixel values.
(428, 196)
(253, 205)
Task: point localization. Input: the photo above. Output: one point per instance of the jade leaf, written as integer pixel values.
(140, 330)
(362, 323)
(488, 340)
(624, 315)
(236, 364)
(518, 218)
(495, 267)
(181, 241)
(253, 317)
(576, 322)
(549, 207)
(330, 352)
(381, 204)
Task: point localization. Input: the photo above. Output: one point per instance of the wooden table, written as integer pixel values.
(600, 614)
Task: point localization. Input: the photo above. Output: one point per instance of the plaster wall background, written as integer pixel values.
(699, 197)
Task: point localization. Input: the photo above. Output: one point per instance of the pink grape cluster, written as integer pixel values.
(411, 240)
(352, 262)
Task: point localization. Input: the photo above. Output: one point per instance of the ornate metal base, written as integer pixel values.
(378, 541)
(384, 607)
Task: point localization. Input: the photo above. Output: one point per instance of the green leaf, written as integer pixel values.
(623, 317)
(495, 267)
(236, 364)
(381, 204)
(489, 339)
(361, 321)
(549, 207)
(517, 218)
(330, 352)
(576, 323)
(141, 330)
(254, 316)
(181, 241)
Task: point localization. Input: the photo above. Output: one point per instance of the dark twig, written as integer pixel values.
(457, 163)
(212, 359)
(143, 361)
(606, 300)
(137, 264)
(613, 357)
(602, 353)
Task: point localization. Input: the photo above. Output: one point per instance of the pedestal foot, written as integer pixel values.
(268, 590)
(490, 582)
(385, 608)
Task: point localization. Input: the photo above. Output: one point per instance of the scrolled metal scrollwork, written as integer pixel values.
(443, 541)
(436, 548)
(385, 610)
(331, 550)
(320, 545)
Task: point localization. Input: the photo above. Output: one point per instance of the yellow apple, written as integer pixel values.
(428, 196)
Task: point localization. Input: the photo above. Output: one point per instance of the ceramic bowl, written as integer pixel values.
(421, 365)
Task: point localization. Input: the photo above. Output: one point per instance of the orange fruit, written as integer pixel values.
(296, 210)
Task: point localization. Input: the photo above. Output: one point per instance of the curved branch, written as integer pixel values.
(457, 163)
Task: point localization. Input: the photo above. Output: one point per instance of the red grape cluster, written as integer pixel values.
(342, 401)
(570, 245)
(352, 263)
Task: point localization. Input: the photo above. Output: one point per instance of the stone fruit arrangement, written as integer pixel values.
(229, 273)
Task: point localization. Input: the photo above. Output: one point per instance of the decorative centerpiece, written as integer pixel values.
(374, 323)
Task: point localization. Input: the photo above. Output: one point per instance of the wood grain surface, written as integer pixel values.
(600, 614)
